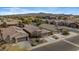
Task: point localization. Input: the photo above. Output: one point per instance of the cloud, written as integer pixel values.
(18, 10)
(21, 10)
(9, 11)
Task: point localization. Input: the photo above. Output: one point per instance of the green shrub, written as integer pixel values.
(65, 32)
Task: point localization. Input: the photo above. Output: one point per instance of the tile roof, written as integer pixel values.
(31, 28)
(44, 31)
(13, 31)
(48, 27)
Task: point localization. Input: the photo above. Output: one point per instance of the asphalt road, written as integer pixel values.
(58, 46)
(74, 40)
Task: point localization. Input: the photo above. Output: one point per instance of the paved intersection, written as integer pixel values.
(71, 44)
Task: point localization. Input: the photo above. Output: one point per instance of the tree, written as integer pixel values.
(1, 39)
(38, 21)
(27, 21)
(20, 24)
(1, 35)
(4, 24)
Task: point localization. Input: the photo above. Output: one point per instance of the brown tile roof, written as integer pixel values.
(13, 31)
(31, 28)
(44, 31)
(10, 22)
(48, 27)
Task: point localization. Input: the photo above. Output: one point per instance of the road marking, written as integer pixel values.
(71, 43)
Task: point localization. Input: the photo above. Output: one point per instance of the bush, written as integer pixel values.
(20, 24)
(16, 48)
(34, 43)
(65, 32)
(55, 37)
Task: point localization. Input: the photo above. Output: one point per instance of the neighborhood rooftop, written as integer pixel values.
(48, 27)
(31, 28)
(13, 31)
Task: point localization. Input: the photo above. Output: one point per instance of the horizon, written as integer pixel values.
(26, 10)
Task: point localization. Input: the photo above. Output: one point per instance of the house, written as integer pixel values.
(45, 32)
(61, 23)
(10, 22)
(13, 34)
(35, 31)
(32, 30)
(56, 22)
(50, 21)
(71, 23)
(49, 27)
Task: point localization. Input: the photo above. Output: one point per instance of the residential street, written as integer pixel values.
(58, 46)
(74, 40)
(62, 45)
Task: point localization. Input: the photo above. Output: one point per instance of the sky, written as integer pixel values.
(25, 10)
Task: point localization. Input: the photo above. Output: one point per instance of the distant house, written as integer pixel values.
(32, 30)
(10, 22)
(49, 27)
(50, 21)
(13, 34)
(56, 22)
(71, 23)
(61, 23)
